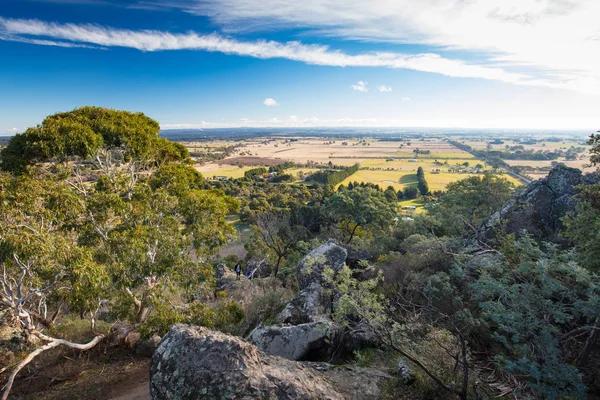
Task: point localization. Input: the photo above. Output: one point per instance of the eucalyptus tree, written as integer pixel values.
(97, 207)
(359, 210)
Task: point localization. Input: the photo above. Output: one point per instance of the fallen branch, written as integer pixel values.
(53, 342)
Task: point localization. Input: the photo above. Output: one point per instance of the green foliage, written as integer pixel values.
(527, 307)
(583, 227)
(422, 184)
(164, 316)
(360, 210)
(255, 172)
(333, 177)
(595, 150)
(469, 202)
(84, 132)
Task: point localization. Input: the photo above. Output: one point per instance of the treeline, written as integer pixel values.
(255, 172)
(519, 153)
(333, 177)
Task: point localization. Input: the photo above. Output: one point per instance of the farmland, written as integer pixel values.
(384, 163)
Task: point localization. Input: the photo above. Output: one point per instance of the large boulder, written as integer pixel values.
(540, 207)
(310, 269)
(356, 256)
(308, 306)
(313, 341)
(193, 363)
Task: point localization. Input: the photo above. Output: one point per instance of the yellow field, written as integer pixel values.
(400, 179)
(231, 171)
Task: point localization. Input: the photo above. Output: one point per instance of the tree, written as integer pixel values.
(360, 304)
(411, 192)
(469, 202)
(43, 266)
(360, 208)
(537, 303)
(422, 184)
(99, 208)
(390, 194)
(273, 230)
(595, 150)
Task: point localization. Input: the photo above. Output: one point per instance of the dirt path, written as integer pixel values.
(134, 387)
(139, 392)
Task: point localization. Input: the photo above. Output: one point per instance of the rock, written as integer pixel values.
(310, 269)
(132, 339)
(356, 383)
(310, 305)
(355, 256)
(540, 207)
(259, 267)
(313, 341)
(223, 274)
(359, 338)
(197, 363)
(146, 348)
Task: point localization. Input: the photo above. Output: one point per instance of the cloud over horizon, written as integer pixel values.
(90, 35)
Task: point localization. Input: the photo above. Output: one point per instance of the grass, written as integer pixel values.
(414, 202)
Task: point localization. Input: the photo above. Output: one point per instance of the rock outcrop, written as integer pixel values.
(305, 332)
(194, 363)
(310, 269)
(540, 207)
(310, 341)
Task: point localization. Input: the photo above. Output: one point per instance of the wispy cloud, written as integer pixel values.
(151, 40)
(269, 102)
(360, 86)
(405, 99)
(384, 88)
(559, 38)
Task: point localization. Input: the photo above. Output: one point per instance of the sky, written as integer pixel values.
(526, 64)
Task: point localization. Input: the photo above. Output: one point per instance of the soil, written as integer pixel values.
(125, 379)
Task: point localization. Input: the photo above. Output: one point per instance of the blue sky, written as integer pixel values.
(227, 63)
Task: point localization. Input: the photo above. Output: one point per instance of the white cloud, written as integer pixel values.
(360, 86)
(384, 88)
(406, 99)
(581, 79)
(269, 102)
(556, 38)
(12, 130)
(469, 123)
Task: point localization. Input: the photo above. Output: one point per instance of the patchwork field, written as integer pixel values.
(385, 163)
